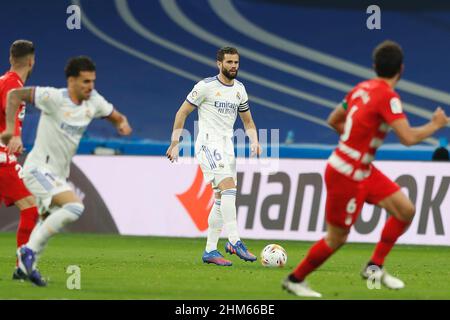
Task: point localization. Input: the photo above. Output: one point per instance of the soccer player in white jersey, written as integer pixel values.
(218, 100)
(65, 115)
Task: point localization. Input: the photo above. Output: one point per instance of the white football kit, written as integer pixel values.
(218, 105)
(61, 126)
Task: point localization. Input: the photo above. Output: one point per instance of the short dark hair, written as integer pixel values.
(387, 59)
(225, 50)
(441, 154)
(76, 65)
(21, 48)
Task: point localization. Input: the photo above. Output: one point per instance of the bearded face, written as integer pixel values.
(229, 66)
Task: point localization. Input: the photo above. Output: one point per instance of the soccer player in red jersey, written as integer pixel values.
(363, 120)
(12, 189)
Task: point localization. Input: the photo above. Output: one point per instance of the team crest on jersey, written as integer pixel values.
(67, 114)
(45, 96)
(238, 95)
(88, 114)
(218, 94)
(396, 105)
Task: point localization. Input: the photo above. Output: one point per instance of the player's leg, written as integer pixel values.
(28, 219)
(215, 225)
(234, 245)
(227, 189)
(401, 211)
(53, 196)
(65, 208)
(215, 219)
(13, 191)
(295, 283)
(344, 202)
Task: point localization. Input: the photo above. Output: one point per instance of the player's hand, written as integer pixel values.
(255, 149)
(5, 137)
(173, 151)
(439, 118)
(15, 145)
(124, 128)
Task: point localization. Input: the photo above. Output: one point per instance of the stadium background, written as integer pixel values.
(119, 35)
(298, 59)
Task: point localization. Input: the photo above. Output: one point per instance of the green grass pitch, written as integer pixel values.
(122, 267)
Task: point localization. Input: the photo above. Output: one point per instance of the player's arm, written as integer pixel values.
(412, 135)
(250, 130)
(14, 99)
(120, 122)
(178, 125)
(336, 119)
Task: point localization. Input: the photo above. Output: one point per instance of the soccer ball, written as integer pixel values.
(273, 255)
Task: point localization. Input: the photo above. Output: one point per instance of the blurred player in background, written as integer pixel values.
(12, 189)
(66, 113)
(363, 120)
(218, 100)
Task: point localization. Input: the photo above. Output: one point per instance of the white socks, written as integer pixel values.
(228, 210)
(215, 224)
(53, 224)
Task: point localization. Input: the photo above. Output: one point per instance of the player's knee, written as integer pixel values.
(335, 241)
(408, 212)
(76, 208)
(26, 203)
(227, 183)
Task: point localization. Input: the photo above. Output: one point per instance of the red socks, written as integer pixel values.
(393, 229)
(318, 253)
(28, 219)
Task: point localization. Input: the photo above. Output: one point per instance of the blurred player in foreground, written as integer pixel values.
(12, 189)
(66, 113)
(218, 100)
(363, 120)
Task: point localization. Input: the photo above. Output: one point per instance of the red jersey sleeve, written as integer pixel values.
(10, 85)
(391, 108)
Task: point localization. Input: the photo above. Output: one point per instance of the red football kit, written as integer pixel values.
(351, 178)
(12, 188)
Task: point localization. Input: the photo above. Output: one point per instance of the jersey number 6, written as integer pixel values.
(217, 155)
(348, 124)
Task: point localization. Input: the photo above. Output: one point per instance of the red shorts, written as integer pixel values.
(346, 197)
(12, 188)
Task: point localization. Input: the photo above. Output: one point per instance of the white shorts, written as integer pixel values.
(43, 184)
(217, 162)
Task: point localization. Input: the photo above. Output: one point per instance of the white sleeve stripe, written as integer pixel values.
(191, 103)
(107, 116)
